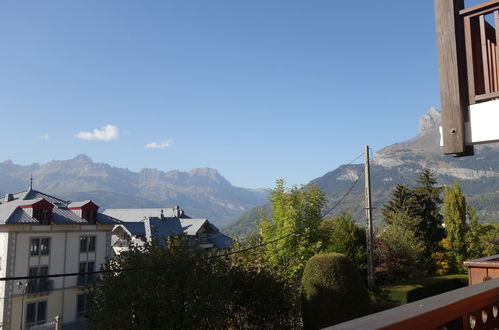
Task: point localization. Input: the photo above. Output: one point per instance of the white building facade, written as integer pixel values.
(43, 235)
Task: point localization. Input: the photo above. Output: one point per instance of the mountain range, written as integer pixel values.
(202, 192)
(402, 163)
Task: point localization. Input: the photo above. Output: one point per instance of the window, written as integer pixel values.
(83, 243)
(39, 284)
(86, 267)
(82, 304)
(87, 243)
(39, 246)
(36, 313)
(44, 246)
(42, 215)
(91, 244)
(89, 215)
(34, 247)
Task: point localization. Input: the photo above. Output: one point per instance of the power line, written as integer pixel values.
(342, 198)
(119, 270)
(359, 156)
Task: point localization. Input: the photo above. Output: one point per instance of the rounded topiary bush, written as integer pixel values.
(333, 291)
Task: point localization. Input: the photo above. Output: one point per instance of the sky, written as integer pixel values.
(259, 90)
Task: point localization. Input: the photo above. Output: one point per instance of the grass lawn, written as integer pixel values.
(404, 292)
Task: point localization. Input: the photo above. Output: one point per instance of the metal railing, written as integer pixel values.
(39, 286)
(85, 279)
(473, 307)
(482, 49)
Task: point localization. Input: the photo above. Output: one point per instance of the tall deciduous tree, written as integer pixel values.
(295, 212)
(475, 231)
(455, 220)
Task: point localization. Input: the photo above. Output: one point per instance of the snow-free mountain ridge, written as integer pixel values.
(202, 192)
(402, 163)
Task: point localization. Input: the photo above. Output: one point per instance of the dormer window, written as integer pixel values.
(42, 215)
(86, 210)
(89, 215)
(39, 209)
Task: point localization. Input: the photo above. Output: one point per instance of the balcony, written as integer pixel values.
(85, 279)
(468, 56)
(473, 307)
(41, 285)
(483, 269)
(481, 35)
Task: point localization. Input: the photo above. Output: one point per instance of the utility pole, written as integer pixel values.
(369, 233)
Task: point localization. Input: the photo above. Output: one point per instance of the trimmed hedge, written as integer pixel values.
(409, 291)
(333, 291)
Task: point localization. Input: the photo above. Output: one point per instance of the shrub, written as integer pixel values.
(333, 291)
(399, 255)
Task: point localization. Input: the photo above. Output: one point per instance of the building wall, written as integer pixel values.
(4, 241)
(64, 257)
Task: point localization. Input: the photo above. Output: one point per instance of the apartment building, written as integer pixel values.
(44, 235)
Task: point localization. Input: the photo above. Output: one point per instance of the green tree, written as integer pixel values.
(427, 197)
(295, 212)
(402, 209)
(411, 215)
(455, 221)
(174, 286)
(473, 235)
(342, 235)
(399, 254)
(490, 239)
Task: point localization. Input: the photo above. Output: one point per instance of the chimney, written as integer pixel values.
(8, 198)
(177, 211)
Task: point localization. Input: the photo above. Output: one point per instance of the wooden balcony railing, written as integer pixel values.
(473, 307)
(483, 269)
(481, 35)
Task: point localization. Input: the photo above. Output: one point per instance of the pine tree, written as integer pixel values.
(401, 209)
(427, 197)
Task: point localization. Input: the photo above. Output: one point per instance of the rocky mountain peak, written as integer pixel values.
(80, 159)
(430, 121)
(208, 172)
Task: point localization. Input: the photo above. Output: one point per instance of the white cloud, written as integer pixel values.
(159, 145)
(44, 137)
(106, 133)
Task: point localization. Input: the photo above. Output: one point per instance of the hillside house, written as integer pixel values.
(43, 235)
(141, 225)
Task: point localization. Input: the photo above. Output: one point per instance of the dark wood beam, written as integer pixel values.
(453, 75)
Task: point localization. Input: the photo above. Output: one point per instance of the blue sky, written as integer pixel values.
(259, 89)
